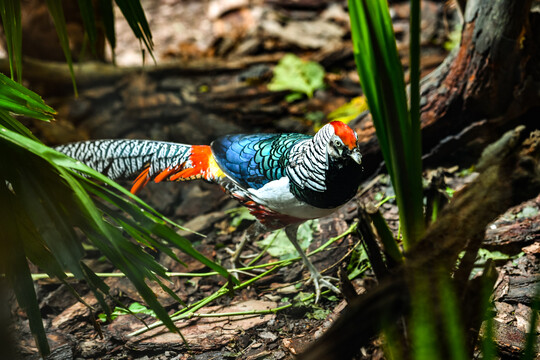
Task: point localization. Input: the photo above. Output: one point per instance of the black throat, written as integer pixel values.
(342, 180)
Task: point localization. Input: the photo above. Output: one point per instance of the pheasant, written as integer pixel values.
(283, 179)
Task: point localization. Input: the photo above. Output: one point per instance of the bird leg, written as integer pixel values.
(318, 280)
(250, 235)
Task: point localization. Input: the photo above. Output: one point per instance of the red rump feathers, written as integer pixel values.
(199, 165)
(347, 135)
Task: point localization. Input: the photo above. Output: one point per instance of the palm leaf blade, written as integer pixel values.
(57, 13)
(15, 266)
(107, 15)
(10, 12)
(134, 14)
(89, 22)
(381, 77)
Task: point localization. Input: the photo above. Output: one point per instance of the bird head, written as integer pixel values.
(343, 142)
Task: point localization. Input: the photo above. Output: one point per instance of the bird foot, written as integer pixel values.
(321, 282)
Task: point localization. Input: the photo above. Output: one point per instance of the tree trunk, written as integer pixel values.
(494, 75)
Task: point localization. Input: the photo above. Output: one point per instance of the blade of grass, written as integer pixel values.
(364, 231)
(107, 15)
(87, 14)
(423, 321)
(10, 123)
(156, 227)
(138, 233)
(10, 12)
(98, 287)
(134, 14)
(414, 70)
(54, 208)
(393, 349)
(48, 215)
(381, 77)
(15, 265)
(17, 99)
(57, 13)
(26, 298)
(387, 238)
(414, 145)
(451, 314)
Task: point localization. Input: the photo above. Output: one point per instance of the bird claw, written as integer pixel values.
(320, 282)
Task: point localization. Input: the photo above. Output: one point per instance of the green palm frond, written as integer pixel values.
(46, 196)
(134, 14)
(57, 13)
(89, 22)
(398, 129)
(107, 15)
(10, 13)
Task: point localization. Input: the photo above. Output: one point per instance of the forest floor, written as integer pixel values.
(215, 59)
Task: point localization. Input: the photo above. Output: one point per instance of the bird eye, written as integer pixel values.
(338, 144)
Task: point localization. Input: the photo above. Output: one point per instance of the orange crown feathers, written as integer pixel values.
(347, 135)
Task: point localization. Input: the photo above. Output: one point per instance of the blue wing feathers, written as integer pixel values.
(254, 160)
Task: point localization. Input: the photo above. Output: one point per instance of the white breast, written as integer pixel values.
(277, 196)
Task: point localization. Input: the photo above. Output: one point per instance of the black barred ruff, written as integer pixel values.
(308, 162)
(319, 180)
(125, 159)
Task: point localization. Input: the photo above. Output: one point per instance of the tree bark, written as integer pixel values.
(493, 75)
(487, 85)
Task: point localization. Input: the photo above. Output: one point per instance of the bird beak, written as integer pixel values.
(356, 156)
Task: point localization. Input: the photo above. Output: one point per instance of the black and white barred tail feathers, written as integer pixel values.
(125, 159)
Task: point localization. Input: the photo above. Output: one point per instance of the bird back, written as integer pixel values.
(252, 161)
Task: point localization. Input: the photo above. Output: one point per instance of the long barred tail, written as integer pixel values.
(144, 160)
